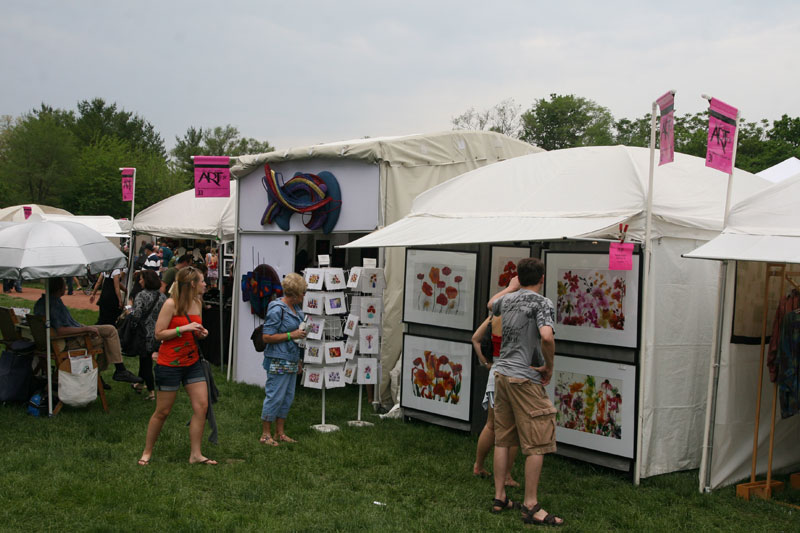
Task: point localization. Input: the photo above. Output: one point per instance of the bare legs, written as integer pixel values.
(533, 468)
(198, 395)
(485, 443)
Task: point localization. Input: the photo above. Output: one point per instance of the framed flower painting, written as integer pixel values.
(440, 288)
(504, 266)
(595, 404)
(436, 376)
(593, 304)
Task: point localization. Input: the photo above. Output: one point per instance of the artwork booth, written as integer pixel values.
(631, 345)
(746, 416)
(355, 187)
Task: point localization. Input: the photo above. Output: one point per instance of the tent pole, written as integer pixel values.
(637, 469)
(232, 340)
(220, 263)
(47, 329)
(713, 383)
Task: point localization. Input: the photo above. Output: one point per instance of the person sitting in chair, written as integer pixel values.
(105, 335)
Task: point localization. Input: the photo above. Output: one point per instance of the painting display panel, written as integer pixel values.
(593, 304)
(334, 279)
(314, 352)
(370, 312)
(313, 377)
(335, 303)
(436, 376)
(334, 377)
(315, 327)
(440, 288)
(334, 352)
(504, 266)
(595, 402)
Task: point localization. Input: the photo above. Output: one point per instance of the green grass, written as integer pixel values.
(78, 472)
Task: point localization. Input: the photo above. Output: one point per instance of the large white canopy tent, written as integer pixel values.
(16, 213)
(762, 228)
(584, 193)
(389, 172)
(185, 216)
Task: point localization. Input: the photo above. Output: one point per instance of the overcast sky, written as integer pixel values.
(299, 72)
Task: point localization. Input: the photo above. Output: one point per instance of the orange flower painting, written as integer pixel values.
(436, 378)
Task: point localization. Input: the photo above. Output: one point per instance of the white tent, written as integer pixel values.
(585, 193)
(763, 228)
(380, 177)
(185, 216)
(781, 171)
(16, 213)
(104, 225)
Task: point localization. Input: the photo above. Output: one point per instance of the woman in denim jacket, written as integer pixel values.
(282, 358)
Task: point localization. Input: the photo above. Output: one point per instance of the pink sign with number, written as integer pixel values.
(620, 256)
(666, 104)
(212, 176)
(721, 133)
(27, 210)
(127, 184)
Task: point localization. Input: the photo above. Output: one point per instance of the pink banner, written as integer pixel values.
(620, 256)
(27, 210)
(127, 188)
(127, 183)
(212, 176)
(666, 104)
(721, 132)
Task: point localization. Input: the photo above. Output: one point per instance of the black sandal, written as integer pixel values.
(549, 520)
(498, 506)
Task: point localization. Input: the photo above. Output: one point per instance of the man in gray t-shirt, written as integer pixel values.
(523, 414)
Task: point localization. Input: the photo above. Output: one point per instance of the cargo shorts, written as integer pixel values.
(523, 416)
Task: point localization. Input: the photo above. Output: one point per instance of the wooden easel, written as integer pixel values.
(764, 488)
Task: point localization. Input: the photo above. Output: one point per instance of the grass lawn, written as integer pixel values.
(78, 472)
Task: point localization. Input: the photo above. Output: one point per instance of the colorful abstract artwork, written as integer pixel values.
(504, 266)
(350, 370)
(594, 403)
(593, 304)
(334, 377)
(353, 278)
(350, 325)
(350, 347)
(334, 352)
(314, 352)
(440, 288)
(314, 278)
(334, 279)
(335, 303)
(313, 377)
(315, 327)
(436, 376)
(313, 303)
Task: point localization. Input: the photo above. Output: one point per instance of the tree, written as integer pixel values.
(565, 121)
(502, 118)
(38, 153)
(634, 132)
(96, 119)
(221, 140)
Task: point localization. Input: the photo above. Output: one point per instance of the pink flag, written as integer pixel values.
(127, 184)
(27, 210)
(721, 132)
(666, 104)
(212, 176)
(620, 256)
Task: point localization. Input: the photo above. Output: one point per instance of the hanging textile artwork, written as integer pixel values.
(316, 194)
(259, 287)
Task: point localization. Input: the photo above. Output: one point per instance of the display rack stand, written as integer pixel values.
(323, 427)
(358, 422)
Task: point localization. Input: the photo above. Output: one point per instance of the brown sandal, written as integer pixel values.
(286, 438)
(268, 440)
(498, 506)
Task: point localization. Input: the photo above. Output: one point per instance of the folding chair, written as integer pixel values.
(61, 354)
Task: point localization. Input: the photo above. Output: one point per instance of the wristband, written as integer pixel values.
(178, 330)
(288, 336)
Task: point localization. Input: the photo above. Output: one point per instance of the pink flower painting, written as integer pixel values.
(436, 378)
(591, 298)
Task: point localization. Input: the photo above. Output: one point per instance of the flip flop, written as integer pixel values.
(286, 438)
(143, 462)
(483, 474)
(205, 461)
(268, 440)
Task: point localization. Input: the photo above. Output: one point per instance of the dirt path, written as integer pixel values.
(78, 300)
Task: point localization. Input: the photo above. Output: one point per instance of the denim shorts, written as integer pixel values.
(169, 378)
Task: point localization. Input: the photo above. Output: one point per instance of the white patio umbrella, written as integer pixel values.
(36, 249)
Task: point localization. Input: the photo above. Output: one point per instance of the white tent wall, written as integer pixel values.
(680, 326)
(736, 403)
(406, 166)
(185, 216)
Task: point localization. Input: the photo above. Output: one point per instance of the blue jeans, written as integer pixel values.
(279, 391)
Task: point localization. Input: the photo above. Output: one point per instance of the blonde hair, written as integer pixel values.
(294, 285)
(182, 291)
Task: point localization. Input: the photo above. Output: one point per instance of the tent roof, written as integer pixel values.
(185, 216)
(104, 225)
(16, 212)
(781, 171)
(763, 227)
(442, 148)
(571, 193)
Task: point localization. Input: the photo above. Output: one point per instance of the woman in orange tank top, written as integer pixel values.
(179, 362)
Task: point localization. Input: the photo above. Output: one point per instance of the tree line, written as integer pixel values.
(71, 158)
(566, 121)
